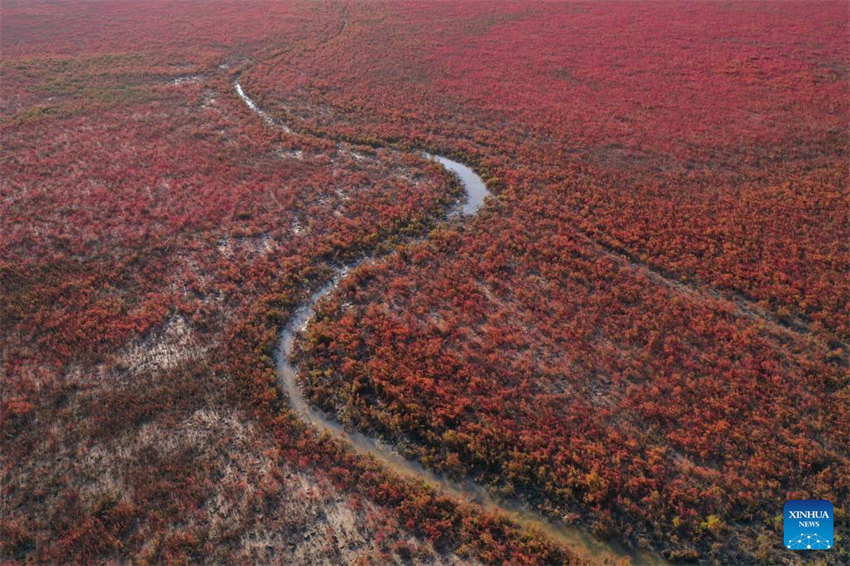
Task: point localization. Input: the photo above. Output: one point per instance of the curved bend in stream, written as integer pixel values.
(519, 512)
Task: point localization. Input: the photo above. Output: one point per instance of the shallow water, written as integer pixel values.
(476, 190)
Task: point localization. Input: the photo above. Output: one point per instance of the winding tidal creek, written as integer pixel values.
(571, 537)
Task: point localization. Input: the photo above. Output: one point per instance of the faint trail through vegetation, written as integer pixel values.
(747, 307)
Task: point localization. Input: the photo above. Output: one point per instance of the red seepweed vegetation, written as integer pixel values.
(643, 333)
(649, 328)
(155, 236)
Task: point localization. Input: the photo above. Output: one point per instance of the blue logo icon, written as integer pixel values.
(808, 524)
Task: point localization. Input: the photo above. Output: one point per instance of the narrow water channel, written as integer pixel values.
(574, 538)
